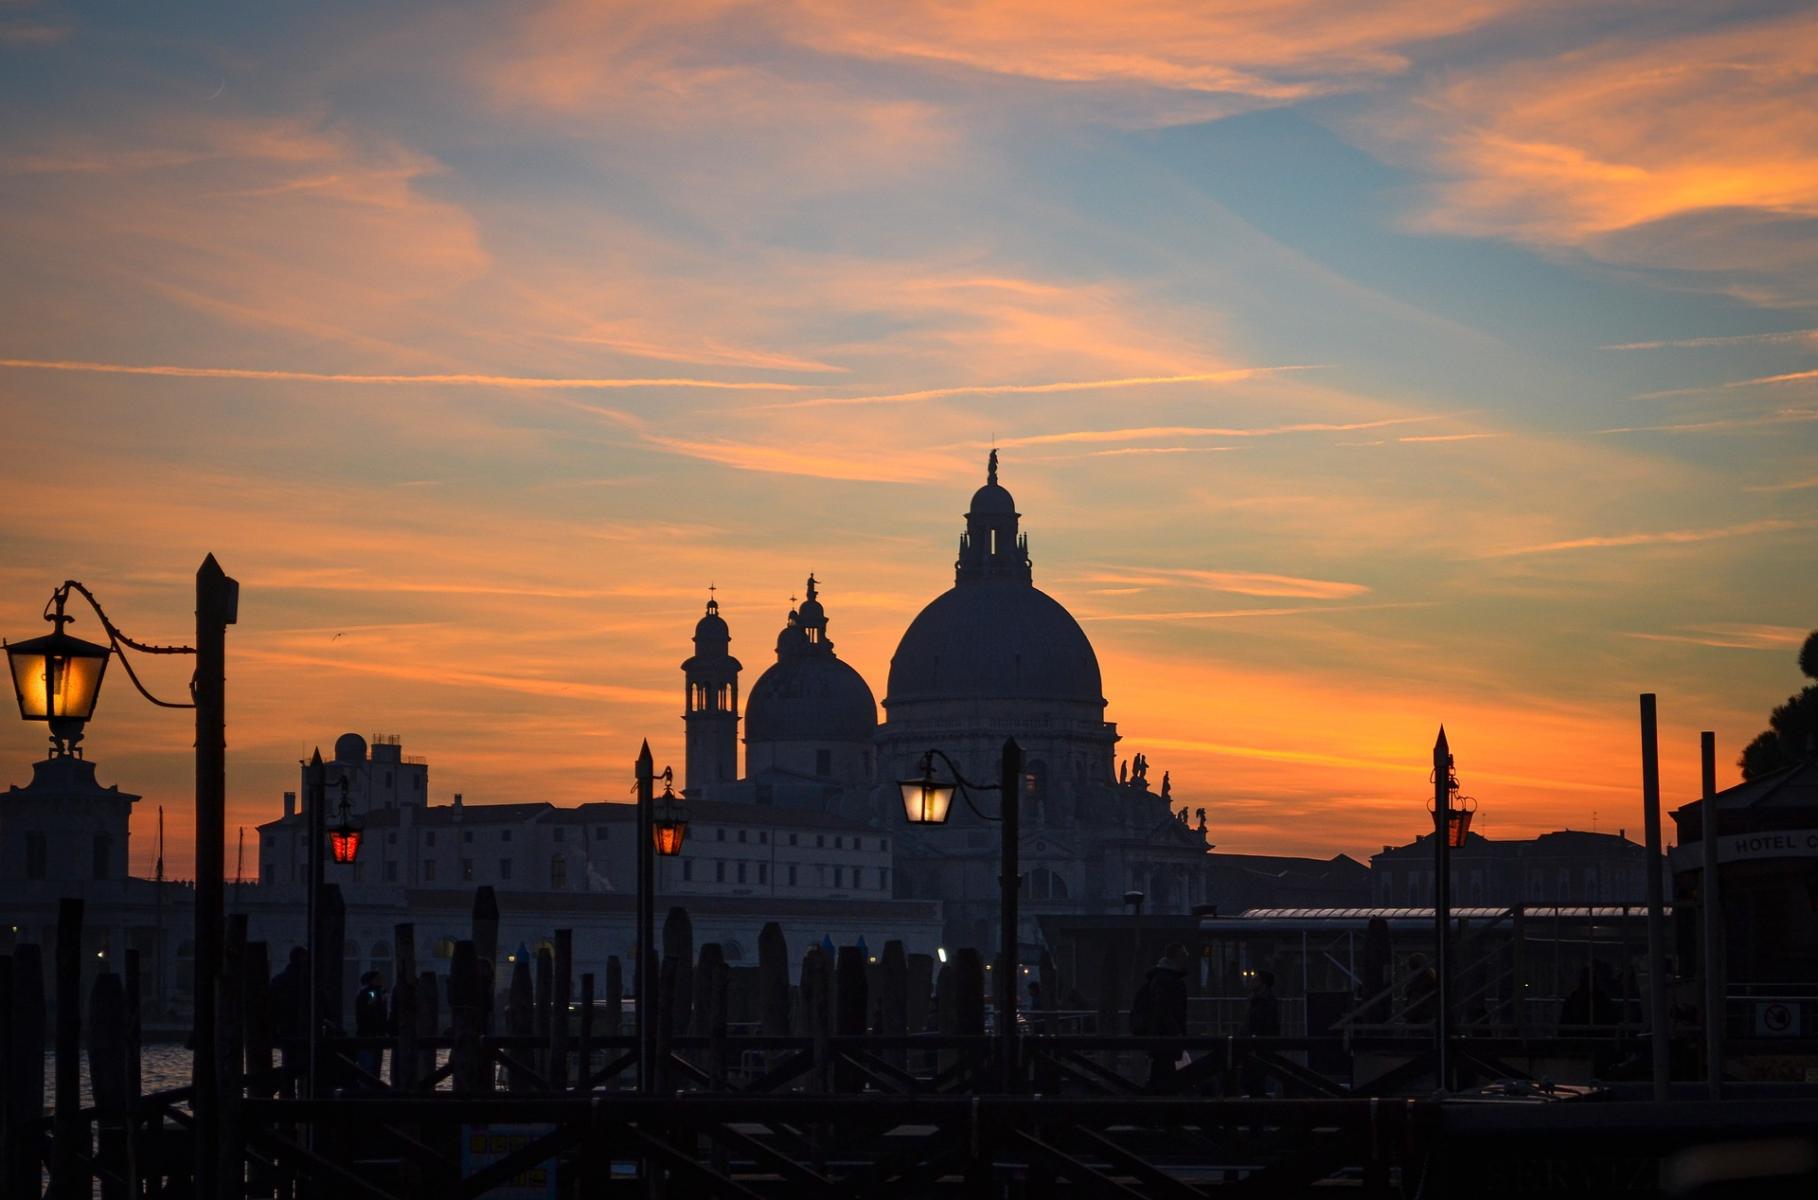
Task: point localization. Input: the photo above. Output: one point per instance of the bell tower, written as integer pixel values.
(711, 714)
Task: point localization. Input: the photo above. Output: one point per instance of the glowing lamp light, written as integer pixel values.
(344, 838)
(669, 825)
(57, 677)
(925, 801)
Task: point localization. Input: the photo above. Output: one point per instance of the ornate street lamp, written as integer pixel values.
(344, 838)
(1459, 809)
(669, 823)
(57, 679)
(927, 801)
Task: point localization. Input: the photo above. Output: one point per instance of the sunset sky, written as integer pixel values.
(1355, 367)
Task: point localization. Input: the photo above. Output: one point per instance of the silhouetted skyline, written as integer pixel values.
(1357, 372)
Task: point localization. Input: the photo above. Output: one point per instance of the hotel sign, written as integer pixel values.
(1746, 847)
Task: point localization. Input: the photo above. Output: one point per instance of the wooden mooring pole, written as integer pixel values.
(1659, 1028)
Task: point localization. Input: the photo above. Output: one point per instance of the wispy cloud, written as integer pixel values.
(1739, 339)
(1791, 485)
(462, 379)
(1665, 537)
(1229, 614)
(1450, 437)
(1141, 433)
(1784, 416)
(1242, 583)
(1036, 389)
(1733, 637)
(815, 461)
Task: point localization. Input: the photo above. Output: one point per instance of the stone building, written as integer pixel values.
(1567, 866)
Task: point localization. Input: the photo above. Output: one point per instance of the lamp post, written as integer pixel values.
(926, 801)
(1451, 822)
(346, 843)
(57, 679)
(659, 832)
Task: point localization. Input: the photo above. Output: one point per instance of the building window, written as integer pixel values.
(763, 837)
(504, 868)
(391, 871)
(391, 839)
(720, 834)
(388, 779)
(416, 783)
(823, 762)
(429, 870)
(883, 843)
(429, 839)
(839, 877)
(763, 873)
(104, 854)
(467, 837)
(558, 872)
(741, 872)
(599, 833)
(505, 835)
(719, 870)
(839, 843)
(687, 869)
(559, 833)
(467, 869)
(792, 839)
(791, 874)
(742, 836)
(883, 878)
(820, 840)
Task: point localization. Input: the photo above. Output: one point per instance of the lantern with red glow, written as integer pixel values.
(344, 838)
(669, 823)
(1459, 811)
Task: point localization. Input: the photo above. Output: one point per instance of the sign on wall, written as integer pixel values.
(1745, 847)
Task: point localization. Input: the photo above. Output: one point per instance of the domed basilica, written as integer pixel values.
(992, 657)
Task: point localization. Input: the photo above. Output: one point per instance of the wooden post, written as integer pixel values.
(464, 1012)
(893, 993)
(1442, 912)
(668, 977)
(107, 1055)
(331, 943)
(850, 1002)
(946, 1010)
(1050, 980)
(710, 956)
(1711, 909)
(969, 993)
(558, 1016)
(773, 980)
(404, 1007)
(230, 1054)
(1009, 885)
(520, 1017)
(255, 1017)
(24, 1079)
(66, 1153)
(429, 1021)
(544, 994)
(817, 1016)
(643, 958)
(615, 1009)
(135, 1078)
(1659, 1026)
(678, 943)
(716, 981)
(217, 607)
(585, 1071)
(486, 924)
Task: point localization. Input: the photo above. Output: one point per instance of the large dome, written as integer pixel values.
(810, 698)
(996, 640)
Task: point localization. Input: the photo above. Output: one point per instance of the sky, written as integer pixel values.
(1356, 369)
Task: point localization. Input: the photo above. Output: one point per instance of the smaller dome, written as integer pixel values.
(992, 498)
(350, 748)
(791, 640)
(810, 698)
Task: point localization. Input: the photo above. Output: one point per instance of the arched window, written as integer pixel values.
(1043, 884)
(731, 950)
(558, 872)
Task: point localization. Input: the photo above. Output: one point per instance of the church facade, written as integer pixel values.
(992, 657)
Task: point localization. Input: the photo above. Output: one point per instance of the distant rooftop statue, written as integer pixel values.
(991, 467)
